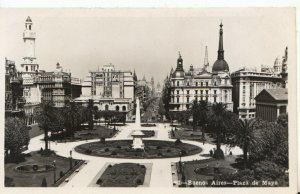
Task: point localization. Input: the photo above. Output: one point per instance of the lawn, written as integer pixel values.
(204, 170)
(17, 178)
(123, 175)
(153, 149)
(98, 133)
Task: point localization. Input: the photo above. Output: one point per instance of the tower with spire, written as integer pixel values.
(220, 65)
(29, 65)
(206, 63)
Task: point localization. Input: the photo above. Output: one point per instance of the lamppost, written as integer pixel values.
(203, 134)
(180, 153)
(70, 159)
(54, 165)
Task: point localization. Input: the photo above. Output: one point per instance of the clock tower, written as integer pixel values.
(29, 65)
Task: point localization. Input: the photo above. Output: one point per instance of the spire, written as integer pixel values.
(206, 58)
(134, 75)
(221, 51)
(179, 63)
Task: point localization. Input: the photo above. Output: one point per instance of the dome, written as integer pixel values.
(178, 74)
(220, 65)
(277, 62)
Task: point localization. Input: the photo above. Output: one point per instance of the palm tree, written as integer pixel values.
(203, 116)
(194, 112)
(72, 115)
(244, 136)
(218, 124)
(45, 115)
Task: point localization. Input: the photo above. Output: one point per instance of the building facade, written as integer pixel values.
(56, 86)
(270, 103)
(201, 84)
(247, 84)
(110, 89)
(14, 100)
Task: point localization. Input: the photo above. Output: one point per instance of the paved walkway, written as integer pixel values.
(161, 175)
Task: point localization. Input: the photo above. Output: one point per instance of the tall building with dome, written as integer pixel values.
(200, 83)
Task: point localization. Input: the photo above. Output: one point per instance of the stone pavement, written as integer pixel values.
(161, 175)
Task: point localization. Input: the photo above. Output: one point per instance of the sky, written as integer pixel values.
(148, 40)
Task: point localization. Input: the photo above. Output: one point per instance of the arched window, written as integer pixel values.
(124, 108)
(106, 107)
(117, 108)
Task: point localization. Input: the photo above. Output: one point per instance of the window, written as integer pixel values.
(201, 92)
(201, 83)
(26, 68)
(196, 91)
(215, 91)
(215, 99)
(124, 108)
(188, 92)
(177, 91)
(106, 107)
(117, 108)
(177, 83)
(196, 83)
(187, 99)
(206, 83)
(188, 83)
(177, 99)
(187, 106)
(206, 91)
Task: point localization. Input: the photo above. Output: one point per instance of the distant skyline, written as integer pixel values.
(148, 40)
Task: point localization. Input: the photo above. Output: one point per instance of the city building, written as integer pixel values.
(201, 84)
(110, 89)
(56, 86)
(247, 84)
(143, 90)
(270, 103)
(14, 100)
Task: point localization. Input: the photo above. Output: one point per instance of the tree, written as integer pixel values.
(218, 120)
(244, 136)
(166, 96)
(45, 115)
(161, 108)
(90, 114)
(72, 117)
(44, 182)
(283, 120)
(16, 135)
(272, 144)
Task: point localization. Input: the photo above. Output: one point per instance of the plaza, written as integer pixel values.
(161, 175)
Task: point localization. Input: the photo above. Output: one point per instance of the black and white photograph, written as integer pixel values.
(181, 99)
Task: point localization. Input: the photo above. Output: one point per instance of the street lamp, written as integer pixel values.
(70, 159)
(54, 165)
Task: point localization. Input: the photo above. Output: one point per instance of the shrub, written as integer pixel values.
(109, 166)
(139, 182)
(102, 140)
(44, 182)
(158, 147)
(168, 150)
(178, 142)
(99, 181)
(143, 166)
(106, 150)
(35, 167)
(61, 174)
(88, 151)
(119, 147)
(113, 153)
